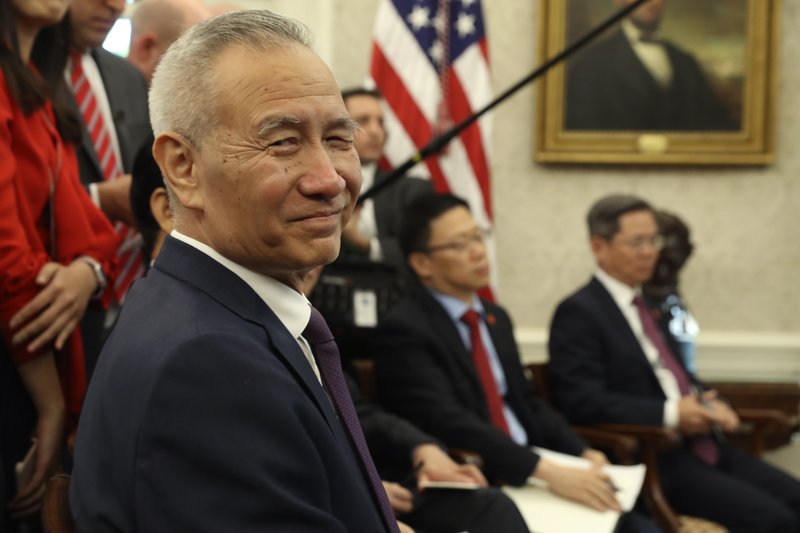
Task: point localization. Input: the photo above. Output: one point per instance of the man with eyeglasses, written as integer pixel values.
(610, 363)
(448, 362)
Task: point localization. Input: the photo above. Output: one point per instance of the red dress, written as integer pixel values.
(34, 160)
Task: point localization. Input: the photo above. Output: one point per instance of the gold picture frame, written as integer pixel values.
(737, 43)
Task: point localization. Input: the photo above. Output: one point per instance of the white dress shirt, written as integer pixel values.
(623, 296)
(651, 53)
(291, 307)
(367, 225)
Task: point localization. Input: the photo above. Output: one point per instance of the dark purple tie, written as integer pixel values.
(320, 338)
(703, 446)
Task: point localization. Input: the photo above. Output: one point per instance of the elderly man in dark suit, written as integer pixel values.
(634, 80)
(609, 363)
(219, 403)
(448, 362)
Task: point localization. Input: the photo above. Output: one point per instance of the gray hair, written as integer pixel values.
(183, 92)
(603, 217)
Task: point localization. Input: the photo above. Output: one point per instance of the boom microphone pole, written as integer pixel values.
(437, 144)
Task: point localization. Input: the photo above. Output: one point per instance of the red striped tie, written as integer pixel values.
(129, 251)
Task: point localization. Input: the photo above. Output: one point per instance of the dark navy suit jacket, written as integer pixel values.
(599, 373)
(204, 415)
(426, 375)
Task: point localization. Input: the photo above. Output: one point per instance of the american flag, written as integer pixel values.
(431, 64)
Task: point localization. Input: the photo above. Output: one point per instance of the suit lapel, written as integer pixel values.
(182, 261)
(451, 339)
(620, 325)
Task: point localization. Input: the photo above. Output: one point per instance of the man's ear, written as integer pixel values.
(176, 156)
(420, 264)
(143, 47)
(599, 246)
(159, 207)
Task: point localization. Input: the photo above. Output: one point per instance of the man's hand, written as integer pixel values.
(352, 236)
(721, 412)
(400, 498)
(591, 487)
(693, 417)
(404, 528)
(58, 308)
(436, 465)
(115, 200)
(597, 457)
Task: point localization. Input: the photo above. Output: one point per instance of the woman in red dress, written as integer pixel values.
(56, 249)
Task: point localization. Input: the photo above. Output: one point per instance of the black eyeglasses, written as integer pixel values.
(462, 244)
(638, 243)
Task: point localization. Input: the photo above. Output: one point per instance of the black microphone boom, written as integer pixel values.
(437, 144)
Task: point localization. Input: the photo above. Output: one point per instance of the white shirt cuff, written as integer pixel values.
(95, 195)
(671, 413)
(375, 252)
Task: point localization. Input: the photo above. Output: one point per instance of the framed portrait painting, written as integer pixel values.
(677, 82)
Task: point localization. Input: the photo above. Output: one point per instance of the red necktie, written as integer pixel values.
(703, 446)
(129, 251)
(320, 338)
(481, 359)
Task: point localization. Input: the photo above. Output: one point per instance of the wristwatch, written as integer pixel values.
(98, 274)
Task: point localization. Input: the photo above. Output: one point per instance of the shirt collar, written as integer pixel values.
(622, 293)
(634, 34)
(291, 307)
(454, 307)
(368, 172)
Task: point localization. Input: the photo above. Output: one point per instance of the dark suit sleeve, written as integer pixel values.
(230, 443)
(414, 383)
(584, 359)
(391, 439)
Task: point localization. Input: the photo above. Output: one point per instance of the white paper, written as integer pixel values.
(545, 512)
(458, 485)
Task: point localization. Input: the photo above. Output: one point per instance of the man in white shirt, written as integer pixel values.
(635, 80)
(372, 231)
(609, 363)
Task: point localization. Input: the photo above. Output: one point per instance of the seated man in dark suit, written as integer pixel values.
(609, 363)
(218, 403)
(448, 362)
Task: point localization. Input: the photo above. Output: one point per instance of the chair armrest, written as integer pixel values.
(660, 437)
(762, 422)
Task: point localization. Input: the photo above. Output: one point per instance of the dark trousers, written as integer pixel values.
(743, 493)
(476, 511)
(17, 420)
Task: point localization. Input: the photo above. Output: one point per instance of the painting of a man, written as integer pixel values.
(637, 79)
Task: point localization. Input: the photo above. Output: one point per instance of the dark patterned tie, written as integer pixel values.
(481, 359)
(320, 338)
(703, 446)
